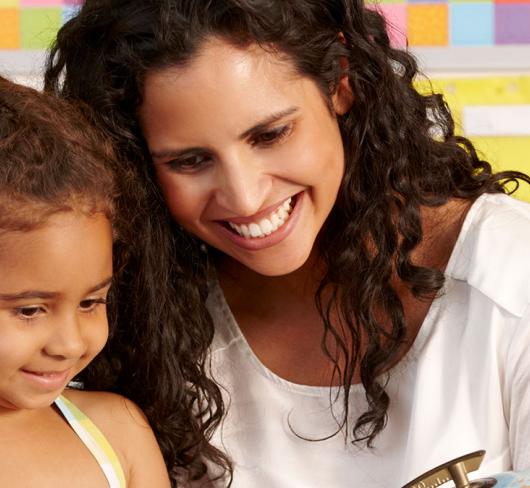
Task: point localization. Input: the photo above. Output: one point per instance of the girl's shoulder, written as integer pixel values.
(127, 430)
(108, 409)
(492, 253)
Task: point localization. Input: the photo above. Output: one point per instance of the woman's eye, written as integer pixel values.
(29, 312)
(188, 163)
(90, 304)
(271, 137)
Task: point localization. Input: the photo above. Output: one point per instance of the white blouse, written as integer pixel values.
(463, 385)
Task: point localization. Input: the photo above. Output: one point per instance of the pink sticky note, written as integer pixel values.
(396, 22)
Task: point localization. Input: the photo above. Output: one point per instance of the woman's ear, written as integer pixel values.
(342, 99)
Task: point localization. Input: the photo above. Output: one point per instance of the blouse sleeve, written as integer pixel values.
(517, 393)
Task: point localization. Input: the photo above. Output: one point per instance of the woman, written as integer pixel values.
(363, 327)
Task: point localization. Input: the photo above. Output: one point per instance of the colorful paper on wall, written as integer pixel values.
(33, 24)
(457, 22)
(410, 22)
(505, 96)
(9, 28)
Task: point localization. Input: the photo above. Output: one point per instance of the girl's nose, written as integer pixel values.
(66, 341)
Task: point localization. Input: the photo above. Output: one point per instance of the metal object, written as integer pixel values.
(458, 469)
(455, 470)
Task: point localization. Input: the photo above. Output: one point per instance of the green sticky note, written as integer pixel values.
(39, 26)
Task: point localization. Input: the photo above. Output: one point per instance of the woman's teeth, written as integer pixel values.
(265, 226)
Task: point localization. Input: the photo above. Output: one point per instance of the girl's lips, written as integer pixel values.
(47, 380)
(258, 243)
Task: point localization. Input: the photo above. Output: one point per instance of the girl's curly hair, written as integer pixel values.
(52, 160)
(401, 153)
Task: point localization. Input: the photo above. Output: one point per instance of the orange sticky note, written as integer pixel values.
(428, 24)
(9, 28)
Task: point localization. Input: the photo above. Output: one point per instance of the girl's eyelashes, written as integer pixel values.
(272, 136)
(90, 304)
(29, 312)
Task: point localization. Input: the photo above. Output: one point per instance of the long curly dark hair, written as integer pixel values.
(401, 154)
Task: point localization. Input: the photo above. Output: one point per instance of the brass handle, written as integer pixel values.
(455, 470)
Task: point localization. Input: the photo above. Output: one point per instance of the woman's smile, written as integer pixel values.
(262, 225)
(265, 229)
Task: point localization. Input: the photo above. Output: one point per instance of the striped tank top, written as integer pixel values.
(95, 442)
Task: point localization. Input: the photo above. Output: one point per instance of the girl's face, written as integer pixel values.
(247, 153)
(53, 318)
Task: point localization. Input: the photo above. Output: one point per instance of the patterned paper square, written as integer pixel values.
(9, 28)
(428, 24)
(41, 3)
(512, 1)
(39, 26)
(69, 11)
(396, 21)
(427, 1)
(512, 23)
(471, 1)
(478, 32)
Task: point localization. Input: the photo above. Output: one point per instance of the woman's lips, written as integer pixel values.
(273, 238)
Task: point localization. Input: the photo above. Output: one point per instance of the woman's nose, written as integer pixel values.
(242, 186)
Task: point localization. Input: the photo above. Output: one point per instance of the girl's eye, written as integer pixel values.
(29, 312)
(189, 164)
(272, 136)
(91, 304)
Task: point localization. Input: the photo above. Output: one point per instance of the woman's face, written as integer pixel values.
(247, 154)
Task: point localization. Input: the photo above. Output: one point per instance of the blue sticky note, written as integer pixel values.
(69, 12)
(471, 24)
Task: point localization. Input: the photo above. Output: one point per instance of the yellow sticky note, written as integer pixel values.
(507, 153)
(9, 3)
(9, 28)
(504, 153)
(428, 24)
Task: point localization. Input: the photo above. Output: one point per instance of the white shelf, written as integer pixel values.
(434, 60)
(22, 62)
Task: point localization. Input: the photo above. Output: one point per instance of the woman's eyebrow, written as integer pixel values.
(175, 153)
(271, 119)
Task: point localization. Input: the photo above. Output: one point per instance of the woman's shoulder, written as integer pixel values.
(492, 253)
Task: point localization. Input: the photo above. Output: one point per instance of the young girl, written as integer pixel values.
(367, 274)
(56, 237)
